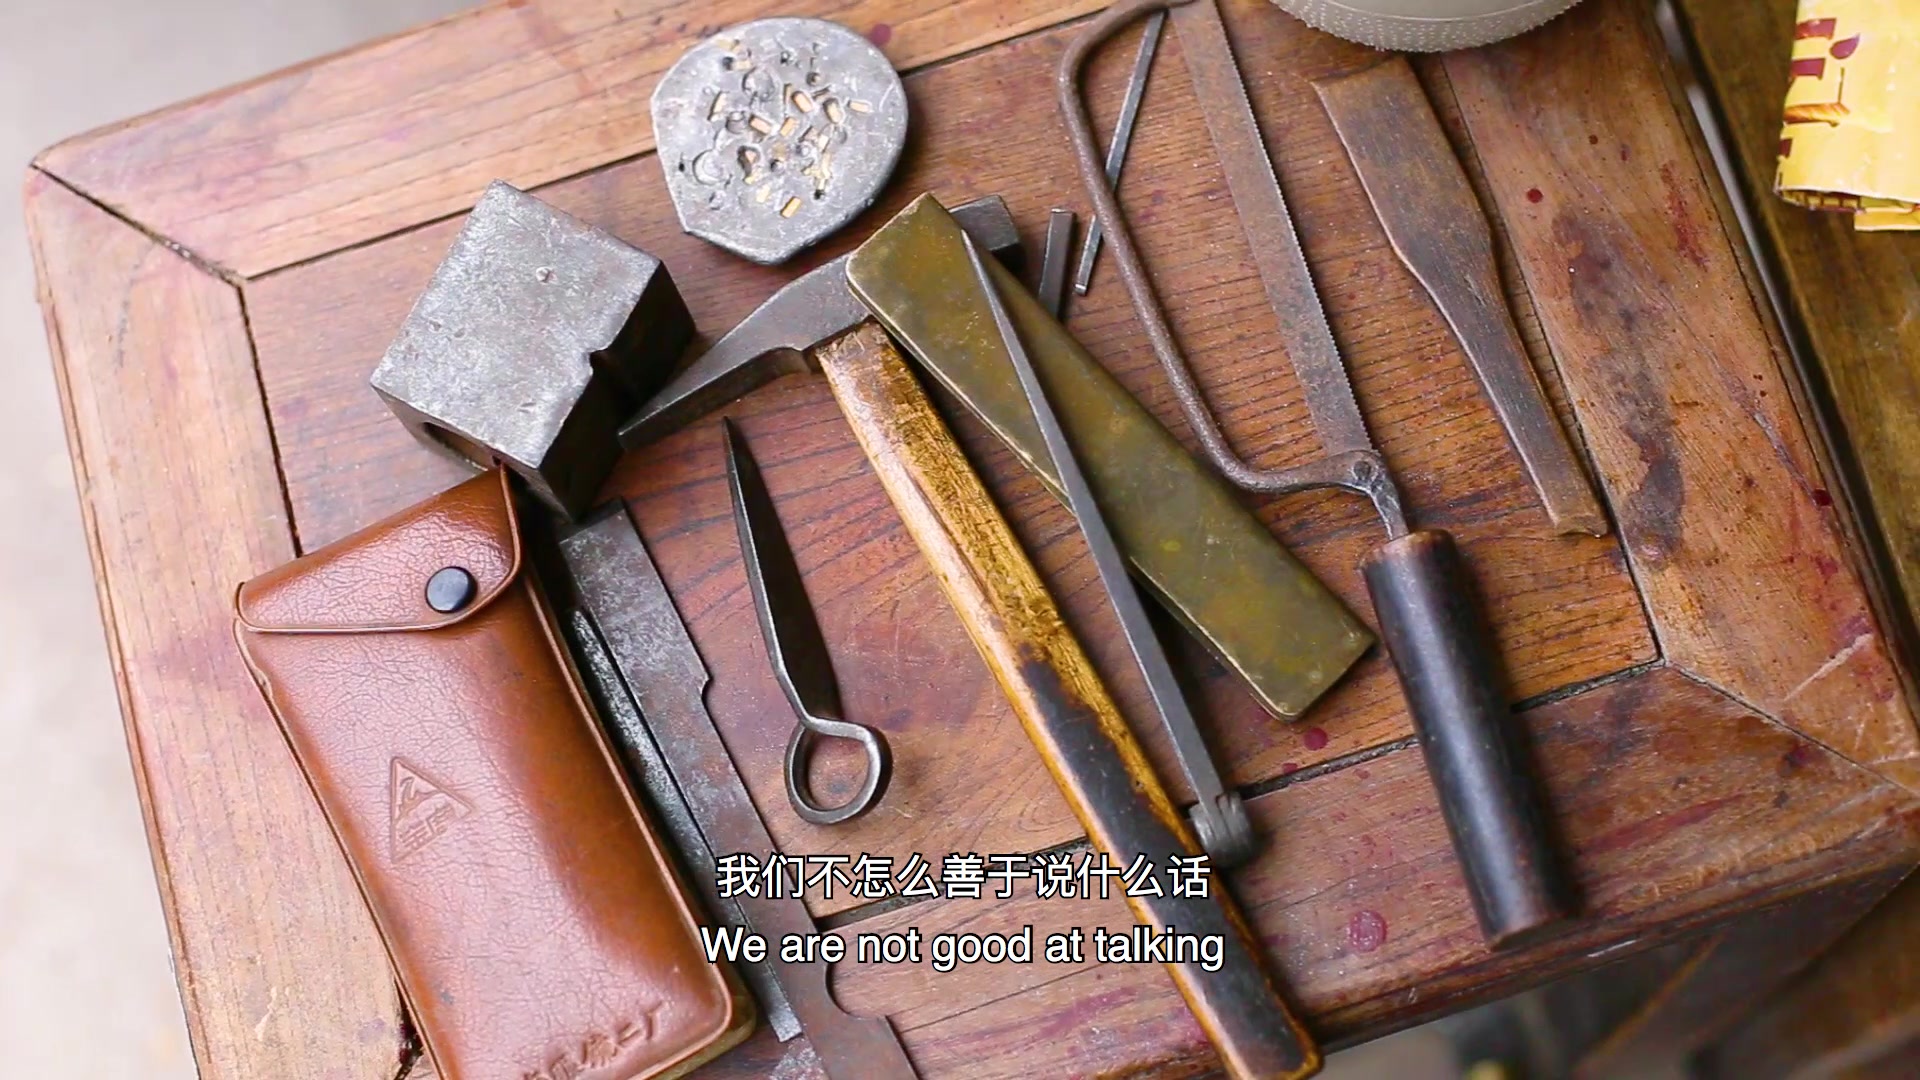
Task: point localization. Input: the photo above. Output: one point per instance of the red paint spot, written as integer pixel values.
(880, 34)
(1314, 738)
(1686, 231)
(1626, 152)
(1362, 773)
(1534, 195)
(1647, 829)
(1366, 931)
(1827, 565)
(1593, 140)
(1800, 755)
(1822, 497)
(1288, 768)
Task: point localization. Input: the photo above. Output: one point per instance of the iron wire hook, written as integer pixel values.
(1359, 469)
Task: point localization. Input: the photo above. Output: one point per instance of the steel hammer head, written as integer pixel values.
(778, 337)
(537, 334)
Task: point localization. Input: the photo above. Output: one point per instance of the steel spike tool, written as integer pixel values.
(1219, 817)
(1421, 591)
(1052, 290)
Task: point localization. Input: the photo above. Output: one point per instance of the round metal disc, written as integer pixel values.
(776, 132)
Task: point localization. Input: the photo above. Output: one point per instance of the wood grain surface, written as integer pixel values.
(178, 510)
(375, 140)
(1854, 1006)
(1713, 703)
(1731, 971)
(1854, 297)
(1853, 300)
(1726, 517)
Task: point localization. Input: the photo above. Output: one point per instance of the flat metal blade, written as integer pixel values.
(619, 586)
(1437, 226)
(795, 644)
(1269, 227)
(664, 797)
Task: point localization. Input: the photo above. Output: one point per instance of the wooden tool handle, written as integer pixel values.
(1056, 693)
(1451, 675)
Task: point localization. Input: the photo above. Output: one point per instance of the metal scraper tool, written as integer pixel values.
(1436, 226)
(620, 588)
(1422, 593)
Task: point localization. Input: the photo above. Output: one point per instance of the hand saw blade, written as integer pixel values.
(1262, 209)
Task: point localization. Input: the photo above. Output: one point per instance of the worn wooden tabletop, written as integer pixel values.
(1853, 301)
(1710, 693)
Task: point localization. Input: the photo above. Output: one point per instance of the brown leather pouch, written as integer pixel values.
(538, 928)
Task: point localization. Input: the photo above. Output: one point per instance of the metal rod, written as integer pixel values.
(1053, 263)
(1122, 139)
(643, 757)
(1220, 819)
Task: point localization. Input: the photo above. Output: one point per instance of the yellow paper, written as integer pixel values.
(1851, 140)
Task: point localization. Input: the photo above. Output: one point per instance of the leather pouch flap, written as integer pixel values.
(376, 579)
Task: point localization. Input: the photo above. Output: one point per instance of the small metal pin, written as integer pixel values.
(1122, 138)
(1053, 263)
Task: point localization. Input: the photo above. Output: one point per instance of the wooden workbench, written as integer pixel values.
(1727, 742)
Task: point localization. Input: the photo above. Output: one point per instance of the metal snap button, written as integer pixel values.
(450, 589)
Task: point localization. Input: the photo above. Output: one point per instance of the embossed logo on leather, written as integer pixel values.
(422, 808)
(598, 1050)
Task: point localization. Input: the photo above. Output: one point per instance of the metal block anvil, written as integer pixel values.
(537, 334)
(1213, 564)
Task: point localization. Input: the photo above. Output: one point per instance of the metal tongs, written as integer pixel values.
(1421, 591)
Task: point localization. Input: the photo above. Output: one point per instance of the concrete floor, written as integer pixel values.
(84, 975)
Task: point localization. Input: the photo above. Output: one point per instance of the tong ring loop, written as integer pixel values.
(879, 769)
